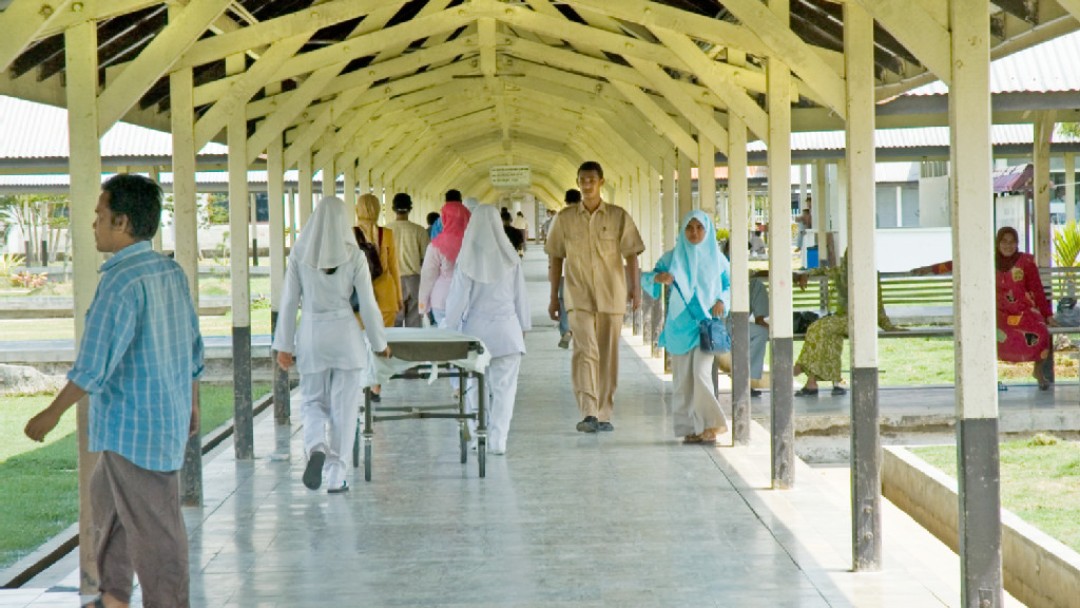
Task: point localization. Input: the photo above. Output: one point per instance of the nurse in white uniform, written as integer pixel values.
(324, 268)
(487, 300)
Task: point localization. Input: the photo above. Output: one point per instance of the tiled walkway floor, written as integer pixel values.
(629, 518)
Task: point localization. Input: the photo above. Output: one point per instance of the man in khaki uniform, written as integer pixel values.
(594, 239)
(411, 241)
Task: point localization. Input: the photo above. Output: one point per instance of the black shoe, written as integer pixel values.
(755, 392)
(839, 390)
(376, 398)
(313, 470)
(605, 426)
(588, 425)
(344, 487)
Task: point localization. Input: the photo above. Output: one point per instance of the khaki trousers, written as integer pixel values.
(595, 363)
(139, 529)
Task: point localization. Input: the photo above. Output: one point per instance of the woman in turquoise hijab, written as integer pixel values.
(699, 278)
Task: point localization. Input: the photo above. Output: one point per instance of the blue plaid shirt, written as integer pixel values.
(138, 357)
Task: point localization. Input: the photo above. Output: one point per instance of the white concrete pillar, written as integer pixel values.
(707, 177)
(1044, 131)
(238, 266)
(1070, 187)
(80, 55)
(862, 293)
(186, 241)
(820, 211)
(778, 93)
(974, 307)
(349, 194)
(669, 217)
(684, 185)
(306, 187)
(276, 202)
(153, 173)
(739, 207)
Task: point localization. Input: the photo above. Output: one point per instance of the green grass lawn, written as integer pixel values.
(38, 483)
(1039, 483)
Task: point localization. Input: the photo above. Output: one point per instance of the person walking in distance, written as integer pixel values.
(572, 197)
(411, 241)
(139, 359)
(599, 244)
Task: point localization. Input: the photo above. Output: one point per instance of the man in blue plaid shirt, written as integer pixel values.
(139, 360)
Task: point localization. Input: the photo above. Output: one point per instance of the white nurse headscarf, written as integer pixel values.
(326, 239)
(486, 253)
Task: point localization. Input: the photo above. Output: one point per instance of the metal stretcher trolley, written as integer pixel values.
(426, 354)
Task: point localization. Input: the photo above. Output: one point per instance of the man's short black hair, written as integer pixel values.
(402, 202)
(591, 165)
(453, 195)
(432, 218)
(139, 198)
(573, 195)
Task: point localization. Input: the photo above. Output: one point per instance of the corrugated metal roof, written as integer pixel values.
(31, 130)
(1050, 66)
(204, 178)
(910, 138)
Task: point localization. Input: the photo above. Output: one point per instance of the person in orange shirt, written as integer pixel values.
(599, 244)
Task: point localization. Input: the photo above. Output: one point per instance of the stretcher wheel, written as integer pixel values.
(367, 460)
(356, 449)
(481, 454)
(463, 434)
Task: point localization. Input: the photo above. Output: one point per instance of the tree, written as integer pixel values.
(40, 218)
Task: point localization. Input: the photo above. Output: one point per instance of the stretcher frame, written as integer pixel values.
(424, 361)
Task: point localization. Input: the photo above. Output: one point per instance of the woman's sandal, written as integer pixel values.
(692, 439)
(806, 392)
(839, 390)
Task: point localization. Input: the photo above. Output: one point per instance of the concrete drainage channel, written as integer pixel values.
(59, 546)
(1037, 569)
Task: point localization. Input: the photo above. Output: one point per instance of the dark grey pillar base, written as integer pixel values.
(740, 378)
(646, 320)
(282, 396)
(191, 486)
(657, 321)
(783, 416)
(243, 438)
(865, 471)
(980, 512)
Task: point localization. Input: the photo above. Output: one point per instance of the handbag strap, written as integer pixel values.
(688, 305)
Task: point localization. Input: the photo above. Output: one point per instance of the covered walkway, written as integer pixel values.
(629, 518)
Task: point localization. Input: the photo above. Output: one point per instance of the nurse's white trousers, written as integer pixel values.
(500, 380)
(329, 402)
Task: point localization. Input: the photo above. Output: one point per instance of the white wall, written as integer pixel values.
(934, 202)
(901, 249)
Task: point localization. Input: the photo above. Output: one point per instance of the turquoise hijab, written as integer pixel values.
(698, 269)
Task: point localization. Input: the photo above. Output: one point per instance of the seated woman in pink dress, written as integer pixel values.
(1023, 312)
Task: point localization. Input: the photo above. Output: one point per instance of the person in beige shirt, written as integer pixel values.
(597, 244)
(411, 240)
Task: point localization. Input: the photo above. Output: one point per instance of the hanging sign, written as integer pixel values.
(511, 176)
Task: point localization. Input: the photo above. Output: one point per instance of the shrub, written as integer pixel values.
(26, 279)
(8, 262)
(1041, 439)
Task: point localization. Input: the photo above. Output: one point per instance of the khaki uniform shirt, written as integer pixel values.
(593, 247)
(411, 240)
